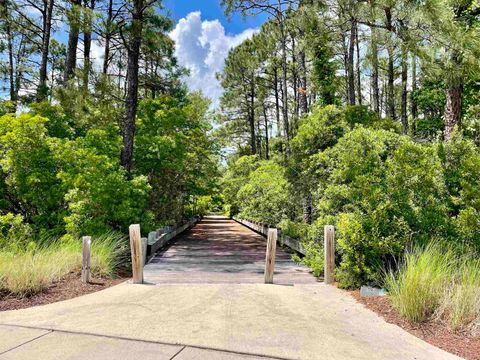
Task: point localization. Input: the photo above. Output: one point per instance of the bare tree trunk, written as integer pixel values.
(108, 36)
(345, 64)
(375, 84)
(267, 150)
(71, 59)
(404, 115)
(350, 64)
(412, 100)
(391, 69)
(359, 79)
(285, 74)
(131, 101)
(453, 108)
(253, 139)
(302, 93)
(11, 64)
(87, 43)
(47, 26)
(277, 98)
(307, 209)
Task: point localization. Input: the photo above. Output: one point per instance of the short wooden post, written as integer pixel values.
(329, 239)
(86, 244)
(136, 249)
(270, 256)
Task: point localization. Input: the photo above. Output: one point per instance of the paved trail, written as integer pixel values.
(210, 304)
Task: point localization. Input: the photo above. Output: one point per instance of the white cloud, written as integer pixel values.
(202, 47)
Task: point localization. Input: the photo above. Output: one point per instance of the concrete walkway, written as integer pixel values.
(194, 321)
(210, 304)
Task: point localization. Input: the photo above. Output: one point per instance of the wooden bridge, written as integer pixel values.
(220, 250)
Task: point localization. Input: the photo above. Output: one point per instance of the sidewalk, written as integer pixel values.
(183, 321)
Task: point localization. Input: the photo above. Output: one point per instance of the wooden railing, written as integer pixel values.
(283, 240)
(295, 244)
(144, 248)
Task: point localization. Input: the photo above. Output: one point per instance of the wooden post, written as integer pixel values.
(270, 256)
(136, 249)
(86, 244)
(329, 238)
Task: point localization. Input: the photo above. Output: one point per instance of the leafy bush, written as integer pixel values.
(14, 232)
(265, 195)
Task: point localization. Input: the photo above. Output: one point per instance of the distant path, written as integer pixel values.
(220, 250)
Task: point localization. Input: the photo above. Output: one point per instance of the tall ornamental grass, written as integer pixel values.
(434, 282)
(32, 271)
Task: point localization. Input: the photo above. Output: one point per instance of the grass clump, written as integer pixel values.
(437, 282)
(24, 273)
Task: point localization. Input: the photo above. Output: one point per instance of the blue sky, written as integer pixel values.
(212, 10)
(203, 37)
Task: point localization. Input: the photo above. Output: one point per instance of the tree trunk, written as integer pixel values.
(285, 74)
(350, 64)
(359, 79)
(131, 101)
(87, 42)
(253, 139)
(267, 150)
(277, 98)
(453, 108)
(303, 84)
(108, 37)
(375, 84)
(412, 99)
(307, 209)
(71, 59)
(404, 115)
(47, 26)
(391, 69)
(11, 64)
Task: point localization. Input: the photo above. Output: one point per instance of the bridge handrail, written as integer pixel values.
(262, 228)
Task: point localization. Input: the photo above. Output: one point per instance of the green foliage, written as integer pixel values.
(264, 197)
(14, 232)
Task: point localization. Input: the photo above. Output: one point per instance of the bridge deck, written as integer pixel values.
(219, 250)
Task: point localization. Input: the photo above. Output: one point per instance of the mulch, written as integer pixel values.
(67, 288)
(434, 332)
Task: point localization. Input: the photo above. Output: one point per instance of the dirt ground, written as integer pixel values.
(65, 289)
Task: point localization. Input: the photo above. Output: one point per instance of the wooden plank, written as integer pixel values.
(136, 250)
(86, 246)
(329, 244)
(270, 255)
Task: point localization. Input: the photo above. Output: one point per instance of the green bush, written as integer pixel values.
(265, 195)
(383, 192)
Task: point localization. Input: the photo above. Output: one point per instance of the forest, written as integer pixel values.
(362, 114)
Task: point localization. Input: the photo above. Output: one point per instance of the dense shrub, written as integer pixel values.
(264, 197)
(383, 191)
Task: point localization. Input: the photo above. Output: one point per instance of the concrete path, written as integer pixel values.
(195, 321)
(210, 304)
(220, 250)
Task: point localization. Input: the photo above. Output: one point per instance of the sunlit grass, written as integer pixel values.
(32, 271)
(435, 282)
